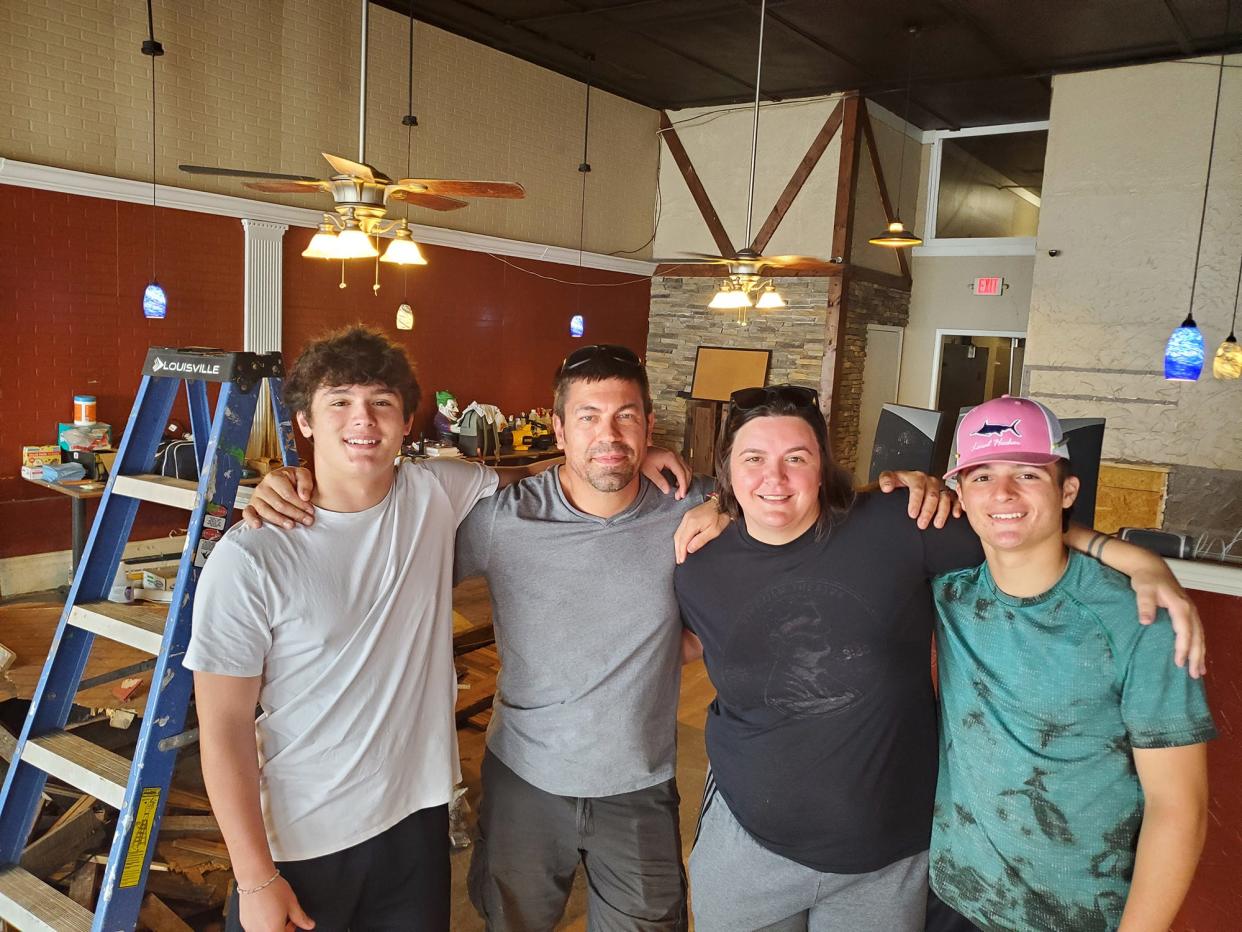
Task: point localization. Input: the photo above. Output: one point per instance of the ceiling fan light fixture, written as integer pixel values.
(352, 243)
(770, 299)
(403, 250)
(730, 298)
(323, 244)
(895, 236)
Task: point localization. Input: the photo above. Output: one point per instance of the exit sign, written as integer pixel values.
(989, 286)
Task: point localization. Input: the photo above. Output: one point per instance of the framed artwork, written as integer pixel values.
(719, 371)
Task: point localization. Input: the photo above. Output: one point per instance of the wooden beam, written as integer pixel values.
(886, 279)
(843, 221)
(697, 191)
(798, 179)
(885, 201)
(842, 245)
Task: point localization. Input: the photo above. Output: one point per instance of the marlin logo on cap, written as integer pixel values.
(989, 429)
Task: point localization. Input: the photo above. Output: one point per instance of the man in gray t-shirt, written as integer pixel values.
(582, 744)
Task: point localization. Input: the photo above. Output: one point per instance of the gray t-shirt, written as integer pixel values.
(588, 631)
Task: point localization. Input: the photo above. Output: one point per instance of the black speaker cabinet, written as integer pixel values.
(908, 438)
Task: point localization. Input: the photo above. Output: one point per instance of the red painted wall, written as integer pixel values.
(72, 273)
(482, 329)
(71, 321)
(1214, 903)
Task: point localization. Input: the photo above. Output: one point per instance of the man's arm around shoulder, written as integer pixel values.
(1174, 782)
(230, 758)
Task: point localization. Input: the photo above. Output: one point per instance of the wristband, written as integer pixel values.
(266, 883)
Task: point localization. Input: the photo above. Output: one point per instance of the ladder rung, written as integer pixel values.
(30, 904)
(164, 490)
(79, 763)
(138, 624)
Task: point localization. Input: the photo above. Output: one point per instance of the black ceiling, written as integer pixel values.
(975, 62)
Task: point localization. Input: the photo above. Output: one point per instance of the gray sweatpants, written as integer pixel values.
(737, 885)
(531, 843)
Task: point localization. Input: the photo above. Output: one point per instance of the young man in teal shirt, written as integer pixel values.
(1073, 771)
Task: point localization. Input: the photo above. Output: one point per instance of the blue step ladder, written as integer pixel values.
(137, 788)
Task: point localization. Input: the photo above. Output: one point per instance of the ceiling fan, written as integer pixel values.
(362, 193)
(746, 267)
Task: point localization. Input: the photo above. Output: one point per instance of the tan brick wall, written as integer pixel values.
(269, 85)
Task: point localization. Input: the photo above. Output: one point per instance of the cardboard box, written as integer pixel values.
(37, 456)
(163, 577)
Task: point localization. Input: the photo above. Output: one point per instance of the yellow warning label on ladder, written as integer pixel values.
(140, 840)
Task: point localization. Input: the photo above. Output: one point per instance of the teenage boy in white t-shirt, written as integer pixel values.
(334, 803)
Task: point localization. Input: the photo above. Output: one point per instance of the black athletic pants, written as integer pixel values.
(397, 881)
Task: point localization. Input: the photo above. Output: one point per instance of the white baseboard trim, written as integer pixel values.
(66, 181)
(37, 572)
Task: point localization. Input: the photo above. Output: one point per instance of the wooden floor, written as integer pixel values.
(28, 624)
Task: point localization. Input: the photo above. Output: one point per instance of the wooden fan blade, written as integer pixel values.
(287, 187)
(359, 170)
(422, 199)
(709, 257)
(457, 187)
(805, 263)
(241, 173)
(682, 260)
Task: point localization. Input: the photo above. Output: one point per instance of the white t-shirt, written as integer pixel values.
(349, 622)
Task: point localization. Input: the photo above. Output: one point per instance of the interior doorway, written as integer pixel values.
(971, 368)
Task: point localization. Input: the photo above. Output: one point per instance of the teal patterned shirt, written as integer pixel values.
(1038, 804)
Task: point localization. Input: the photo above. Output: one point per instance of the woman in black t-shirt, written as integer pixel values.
(815, 617)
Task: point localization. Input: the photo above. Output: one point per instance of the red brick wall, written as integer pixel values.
(1214, 903)
(71, 321)
(72, 273)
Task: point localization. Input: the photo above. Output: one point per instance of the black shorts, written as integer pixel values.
(397, 880)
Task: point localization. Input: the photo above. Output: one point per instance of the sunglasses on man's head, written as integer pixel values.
(586, 354)
(745, 399)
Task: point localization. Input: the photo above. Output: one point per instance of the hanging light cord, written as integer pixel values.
(905, 119)
(153, 49)
(409, 121)
(584, 168)
(1194, 279)
(754, 126)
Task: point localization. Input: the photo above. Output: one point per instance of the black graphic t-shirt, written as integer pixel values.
(822, 737)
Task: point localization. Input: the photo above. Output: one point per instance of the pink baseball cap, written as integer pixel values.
(1009, 430)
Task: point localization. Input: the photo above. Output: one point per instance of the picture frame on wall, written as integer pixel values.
(719, 371)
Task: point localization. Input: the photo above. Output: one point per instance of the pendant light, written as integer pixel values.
(154, 300)
(1183, 354)
(1228, 361)
(896, 235)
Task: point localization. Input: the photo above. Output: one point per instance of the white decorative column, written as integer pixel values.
(264, 267)
(262, 320)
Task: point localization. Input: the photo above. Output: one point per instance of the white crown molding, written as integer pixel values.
(65, 181)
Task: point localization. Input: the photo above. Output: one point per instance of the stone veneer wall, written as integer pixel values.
(681, 322)
(869, 303)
